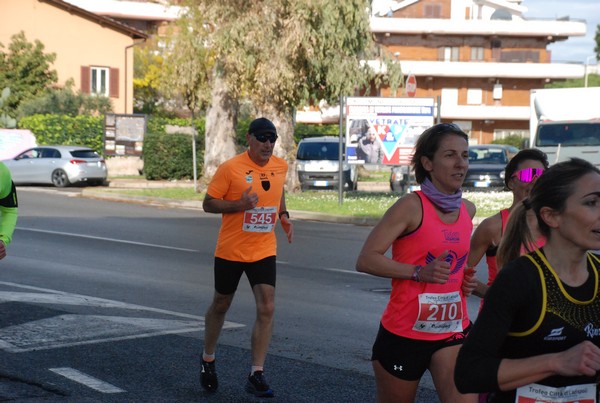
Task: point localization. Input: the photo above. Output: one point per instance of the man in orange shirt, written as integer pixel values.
(248, 190)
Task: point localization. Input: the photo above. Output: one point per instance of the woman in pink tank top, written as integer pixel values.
(429, 231)
(520, 174)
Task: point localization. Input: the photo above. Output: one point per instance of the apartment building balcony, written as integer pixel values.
(551, 29)
(550, 71)
(449, 111)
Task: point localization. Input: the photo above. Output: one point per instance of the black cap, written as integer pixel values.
(262, 125)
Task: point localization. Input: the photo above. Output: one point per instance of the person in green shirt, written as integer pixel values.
(8, 209)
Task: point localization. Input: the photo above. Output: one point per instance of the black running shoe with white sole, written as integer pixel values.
(258, 386)
(208, 376)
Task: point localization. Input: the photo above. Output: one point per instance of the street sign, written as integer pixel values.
(411, 85)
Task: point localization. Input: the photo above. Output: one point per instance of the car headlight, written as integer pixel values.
(502, 175)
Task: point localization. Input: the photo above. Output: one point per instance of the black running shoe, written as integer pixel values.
(258, 386)
(208, 376)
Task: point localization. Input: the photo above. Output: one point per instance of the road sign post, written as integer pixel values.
(411, 86)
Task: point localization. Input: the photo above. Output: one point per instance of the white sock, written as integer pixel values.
(255, 368)
(208, 357)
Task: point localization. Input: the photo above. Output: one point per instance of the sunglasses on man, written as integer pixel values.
(263, 137)
(527, 175)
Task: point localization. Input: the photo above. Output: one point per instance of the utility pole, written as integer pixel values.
(587, 61)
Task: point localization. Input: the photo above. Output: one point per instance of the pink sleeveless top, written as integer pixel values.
(427, 311)
(490, 258)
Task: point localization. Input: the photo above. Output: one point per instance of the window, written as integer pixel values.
(496, 45)
(99, 80)
(477, 53)
(448, 53)
(432, 11)
(474, 96)
(49, 153)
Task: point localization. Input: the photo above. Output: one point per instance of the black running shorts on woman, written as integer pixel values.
(408, 359)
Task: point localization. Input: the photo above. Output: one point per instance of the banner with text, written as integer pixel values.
(384, 130)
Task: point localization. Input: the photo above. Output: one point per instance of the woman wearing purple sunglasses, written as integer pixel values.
(520, 174)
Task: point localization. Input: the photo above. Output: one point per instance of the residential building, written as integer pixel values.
(481, 57)
(478, 58)
(148, 17)
(96, 52)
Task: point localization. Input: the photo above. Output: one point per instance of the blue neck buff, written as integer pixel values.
(445, 202)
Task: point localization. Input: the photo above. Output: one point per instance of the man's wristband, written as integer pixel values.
(415, 275)
(284, 212)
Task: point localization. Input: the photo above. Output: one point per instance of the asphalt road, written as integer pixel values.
(103, 301)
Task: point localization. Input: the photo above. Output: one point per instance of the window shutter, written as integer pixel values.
(113, 90)
(85, 79)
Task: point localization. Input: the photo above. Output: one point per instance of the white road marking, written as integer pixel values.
(87, 380)
(78, 329)
(333, 269)
(66, 298)
(106, 239)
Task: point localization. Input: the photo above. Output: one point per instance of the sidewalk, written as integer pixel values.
(112, 193)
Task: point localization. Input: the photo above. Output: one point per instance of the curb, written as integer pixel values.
(197, 205)
(93, 193)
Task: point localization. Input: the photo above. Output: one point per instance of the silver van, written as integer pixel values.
(318, 167)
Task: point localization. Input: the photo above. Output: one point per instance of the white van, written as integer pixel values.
(317, 164)
(15, 141)
(563, 140)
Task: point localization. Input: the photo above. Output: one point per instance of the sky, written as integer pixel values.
(577, 48)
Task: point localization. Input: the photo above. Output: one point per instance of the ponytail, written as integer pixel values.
(516, 234)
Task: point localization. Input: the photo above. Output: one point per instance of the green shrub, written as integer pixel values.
(157, 124)
(305, 130)
(169, 156)
(515, 141)
(165, 156)
(66, 130)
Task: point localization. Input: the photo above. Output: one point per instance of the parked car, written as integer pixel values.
(318, 167)
(486, 165)
(58, 165)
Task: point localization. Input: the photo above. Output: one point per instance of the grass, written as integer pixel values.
(357, 204)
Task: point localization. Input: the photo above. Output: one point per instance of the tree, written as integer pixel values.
(25, 69)
(65, 101)
(281, 54)
(148, 65)
(597, 48)
(185, 71)
(6, 122)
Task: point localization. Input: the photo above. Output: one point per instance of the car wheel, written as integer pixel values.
(60, 178)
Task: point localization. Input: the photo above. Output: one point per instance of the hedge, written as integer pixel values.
(65, 130)
(166, 156)
(170, 156)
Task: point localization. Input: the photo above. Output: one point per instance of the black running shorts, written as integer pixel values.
(408, 359)
(228, 273)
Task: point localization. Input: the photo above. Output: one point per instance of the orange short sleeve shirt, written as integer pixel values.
(249, 236)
